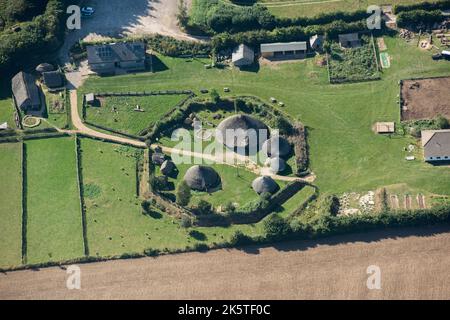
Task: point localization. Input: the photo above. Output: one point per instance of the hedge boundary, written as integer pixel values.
(24, 203)
(78, 153)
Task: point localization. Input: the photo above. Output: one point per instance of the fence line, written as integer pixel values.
(81, 194)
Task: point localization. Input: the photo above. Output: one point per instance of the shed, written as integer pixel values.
(53, 79)
(284, 50)
(158, 158)
(26, 92)
(385, 127)
(349, 40)
(316, 42)
(243, 56)
(90, 99)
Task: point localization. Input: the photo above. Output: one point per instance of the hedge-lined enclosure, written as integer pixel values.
(116, 112)
(426, 5)
(357, 64)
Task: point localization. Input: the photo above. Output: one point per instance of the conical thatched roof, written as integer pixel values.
(264, 185)
(45, 67)
(276, 146)
(276, 164)
(240, 137)
(167, 167)
(202, 178)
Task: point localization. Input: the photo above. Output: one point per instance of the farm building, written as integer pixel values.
(54, 80)
(316, 42)
(284, 50)
(385, 127)
(128, 56)
(90, 99)
(264, 184)
(158, 158)
(202, 178)
(243, 56)
(276, 146)
(436, 145)
(349, 40)
(237, 131)
(26, 92)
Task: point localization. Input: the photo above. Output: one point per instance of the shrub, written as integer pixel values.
(185, 222)
(413, 18)
(276, 227)
(183, 194)
(240, 239)
(203, 208)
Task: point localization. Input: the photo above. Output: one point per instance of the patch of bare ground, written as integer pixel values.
(414, 265)
(425, 98)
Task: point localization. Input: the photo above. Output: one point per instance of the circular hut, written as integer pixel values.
(276, 164)
(276, 146)
(235, 131)
(168, 168)
(264, 184)
(202, 178)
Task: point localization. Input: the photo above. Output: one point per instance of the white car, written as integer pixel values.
(87, 11)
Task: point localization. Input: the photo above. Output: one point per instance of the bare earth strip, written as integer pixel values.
(414, 265)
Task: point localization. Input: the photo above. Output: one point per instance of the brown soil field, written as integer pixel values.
(414, 264)
(425, 98)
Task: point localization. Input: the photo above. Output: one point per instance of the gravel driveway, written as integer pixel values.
(123, 18)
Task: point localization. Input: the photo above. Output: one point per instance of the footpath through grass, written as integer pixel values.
(11, 204)
(54, 227)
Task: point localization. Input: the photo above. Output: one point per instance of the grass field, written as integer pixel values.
(54, 228)
(118, 112)
(309, 8)
(115, 223)
(7, 112)
(345, 154)
(11, 204)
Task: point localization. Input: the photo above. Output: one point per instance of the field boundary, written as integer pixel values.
(24, 203)
(81, 194)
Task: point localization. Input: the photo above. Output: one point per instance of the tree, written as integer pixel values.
(441, 122)
(183, 194)
(182, 16)
(276, 227)
(185, 222)
(204, 207)
(215, 97)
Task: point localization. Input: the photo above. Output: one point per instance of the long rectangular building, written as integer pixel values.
(282, 50)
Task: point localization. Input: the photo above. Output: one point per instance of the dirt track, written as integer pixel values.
(426, 99)
(414, 264)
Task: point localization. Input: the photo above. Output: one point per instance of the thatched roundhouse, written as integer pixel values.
(276, 146)
(241, 125)
(45, 67)
(202, 178)
(264, 184)
(167, 168)
(276, 164)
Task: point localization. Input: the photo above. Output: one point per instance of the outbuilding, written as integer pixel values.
(385, 127)
(349, 40)
(202, 178)
(26, 92)
(316, 42)
(264, 184)
(243, 56)
(54, 80)
(436, 145)
(284, 50)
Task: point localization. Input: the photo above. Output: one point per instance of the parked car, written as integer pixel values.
(87, 11)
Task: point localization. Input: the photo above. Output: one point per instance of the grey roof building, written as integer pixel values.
(264, 184)
(243, 56)
(167, 168)
(238, 130)
(26, 92)
(276, 146)
(436, 145)
(284, 50)
(105, 58)
(202, 178)
(315, 42)
(53, 79)
(349, 40)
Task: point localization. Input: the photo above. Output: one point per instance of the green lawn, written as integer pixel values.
(310, 8)
(7, 112)
(115, 224)
(118, 112)
(345, 154)
(11, 204)
(54, 227)
(297, 200)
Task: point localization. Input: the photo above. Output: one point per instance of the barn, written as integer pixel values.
(286, 50)
(243, 56)
(436, 145)
(26, 92)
